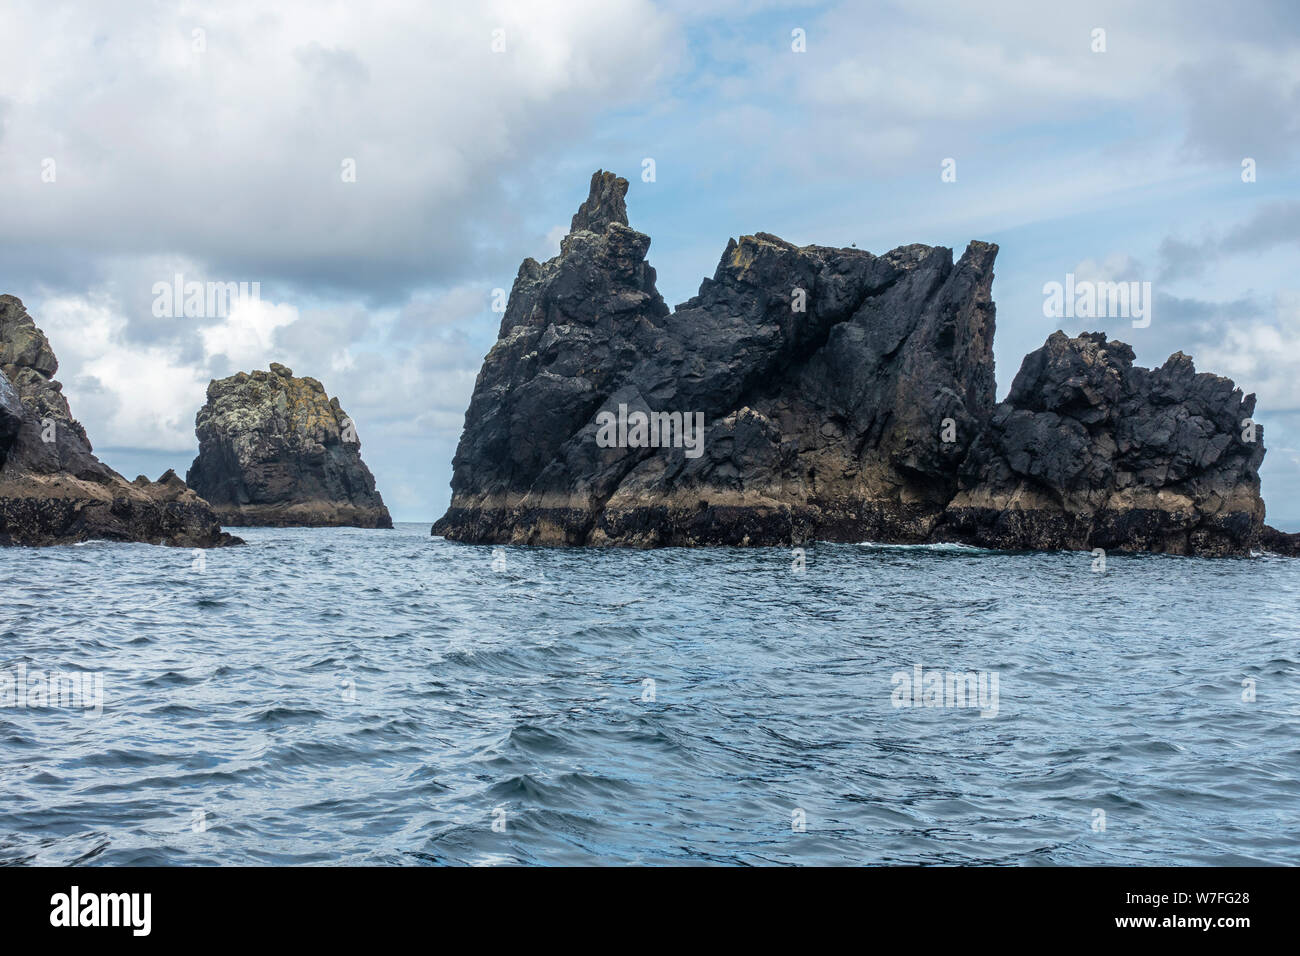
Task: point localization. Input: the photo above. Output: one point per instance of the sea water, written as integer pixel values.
(345, 696)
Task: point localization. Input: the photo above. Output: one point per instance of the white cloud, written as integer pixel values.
(233, 154)
(126, 395)
(245, 336)
(1261, 356)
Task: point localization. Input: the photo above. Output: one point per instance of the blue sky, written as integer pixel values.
(217, 154)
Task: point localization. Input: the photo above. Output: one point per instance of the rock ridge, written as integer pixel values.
(847, 396)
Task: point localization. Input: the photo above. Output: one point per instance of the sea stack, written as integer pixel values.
(275, 450)
(843, 396)
(53, 490)
(1092, 451)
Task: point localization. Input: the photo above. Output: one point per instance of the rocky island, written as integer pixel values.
(53, 490)
(845, 396)
(276, 450)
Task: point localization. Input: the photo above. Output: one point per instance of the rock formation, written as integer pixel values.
(276, 450)
(846, 396)
(53, 490)
(1280, 542)
(1090, 451)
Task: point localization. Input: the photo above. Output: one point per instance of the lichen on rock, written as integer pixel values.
(275, 449)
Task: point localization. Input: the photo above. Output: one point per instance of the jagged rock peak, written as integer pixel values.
(275, 449)
(817, 371)
(603, 205)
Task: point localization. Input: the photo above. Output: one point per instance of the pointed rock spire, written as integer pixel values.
(603, 205)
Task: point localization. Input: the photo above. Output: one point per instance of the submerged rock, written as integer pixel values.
(276, 450)
(844, 396)
(53, 490)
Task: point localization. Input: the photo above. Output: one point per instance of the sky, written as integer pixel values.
(380, 169)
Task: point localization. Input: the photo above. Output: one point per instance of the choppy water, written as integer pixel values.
(349, 696)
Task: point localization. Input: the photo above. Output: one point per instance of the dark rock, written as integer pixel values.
(603, 205)
(1279, 542)
(823, 375)
(11, 416)
(868, 414)
(53, 490)
(1090, 451)
(276, 450)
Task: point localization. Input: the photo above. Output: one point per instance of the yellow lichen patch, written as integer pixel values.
(742, 257)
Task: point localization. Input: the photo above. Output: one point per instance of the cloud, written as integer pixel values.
(244, 338)
(1243, 105)
(1115, 267)
(1273, 224)
(1260, 356)
(1182, 258)
(425, 314)
(124, 395)
(231, 151)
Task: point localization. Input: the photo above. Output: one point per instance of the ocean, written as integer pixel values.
(344, 696)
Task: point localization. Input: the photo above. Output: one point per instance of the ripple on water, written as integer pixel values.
(383, 697)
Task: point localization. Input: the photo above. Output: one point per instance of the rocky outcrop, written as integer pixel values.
(1091, 451)
(276, 450)
(53, 490)
(843, 396)
(1280, 542)
(823, 377)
